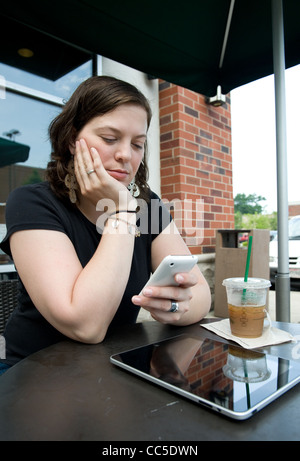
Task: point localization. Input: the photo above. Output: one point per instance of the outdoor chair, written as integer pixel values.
(8, 300)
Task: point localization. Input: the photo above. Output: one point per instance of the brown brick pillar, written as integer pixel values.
(196, 164)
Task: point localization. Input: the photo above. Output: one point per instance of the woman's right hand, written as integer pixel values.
(99, 185)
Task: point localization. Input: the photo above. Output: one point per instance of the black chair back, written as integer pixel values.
(8, 300)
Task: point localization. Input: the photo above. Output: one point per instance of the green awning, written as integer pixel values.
(180, 42)
(12, 152)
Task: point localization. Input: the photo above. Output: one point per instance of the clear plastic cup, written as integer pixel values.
(246, 305)
(246, 366)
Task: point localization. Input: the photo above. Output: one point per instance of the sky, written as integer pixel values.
(254, 138)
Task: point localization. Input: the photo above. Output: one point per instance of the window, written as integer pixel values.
(27, 106)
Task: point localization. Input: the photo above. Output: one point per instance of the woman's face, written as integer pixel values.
(119, 137)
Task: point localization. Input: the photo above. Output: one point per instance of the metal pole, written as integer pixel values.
(282, 282)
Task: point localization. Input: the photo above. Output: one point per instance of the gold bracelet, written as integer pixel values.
(123, 211)
(132, 228)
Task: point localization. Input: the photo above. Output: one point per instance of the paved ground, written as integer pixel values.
(294, 304)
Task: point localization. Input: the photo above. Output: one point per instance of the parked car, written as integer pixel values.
(243, 239)
(294, 254)
(273, 235)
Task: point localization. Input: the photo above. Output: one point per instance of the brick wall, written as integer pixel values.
(294, 209)
(203, 373)
(196, 165)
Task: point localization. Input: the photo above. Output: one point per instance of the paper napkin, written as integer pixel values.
(270, 336)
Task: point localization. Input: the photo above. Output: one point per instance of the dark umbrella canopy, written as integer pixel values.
(12, 152)
(197, 44)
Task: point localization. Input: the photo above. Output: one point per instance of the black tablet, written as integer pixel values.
(228, 379)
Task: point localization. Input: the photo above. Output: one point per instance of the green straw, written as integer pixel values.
(243, 300)
(248, 258)
(247, 265)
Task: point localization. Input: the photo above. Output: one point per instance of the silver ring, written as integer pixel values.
(174, 306)
(90, 172)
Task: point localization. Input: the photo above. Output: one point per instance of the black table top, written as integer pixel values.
(71, 391)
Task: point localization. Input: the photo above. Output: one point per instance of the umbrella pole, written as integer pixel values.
(282, 281)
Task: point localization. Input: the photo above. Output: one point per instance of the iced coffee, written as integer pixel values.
(246, 305)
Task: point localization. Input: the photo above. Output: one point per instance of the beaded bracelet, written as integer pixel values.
(122, 211)
(132, 228)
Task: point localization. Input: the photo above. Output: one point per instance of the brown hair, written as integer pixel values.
(95, 96)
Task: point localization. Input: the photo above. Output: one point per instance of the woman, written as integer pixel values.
(74, 238)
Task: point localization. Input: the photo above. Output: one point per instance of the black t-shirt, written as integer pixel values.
(36, 207)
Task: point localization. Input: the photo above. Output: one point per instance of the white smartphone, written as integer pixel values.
(164, 274)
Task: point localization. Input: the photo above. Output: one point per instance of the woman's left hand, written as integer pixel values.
(162, 302)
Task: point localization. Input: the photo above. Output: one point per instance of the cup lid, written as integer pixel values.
(238, 282)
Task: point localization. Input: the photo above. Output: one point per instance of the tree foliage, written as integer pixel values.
(248, 204)
(248, 213)
(255, 221)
